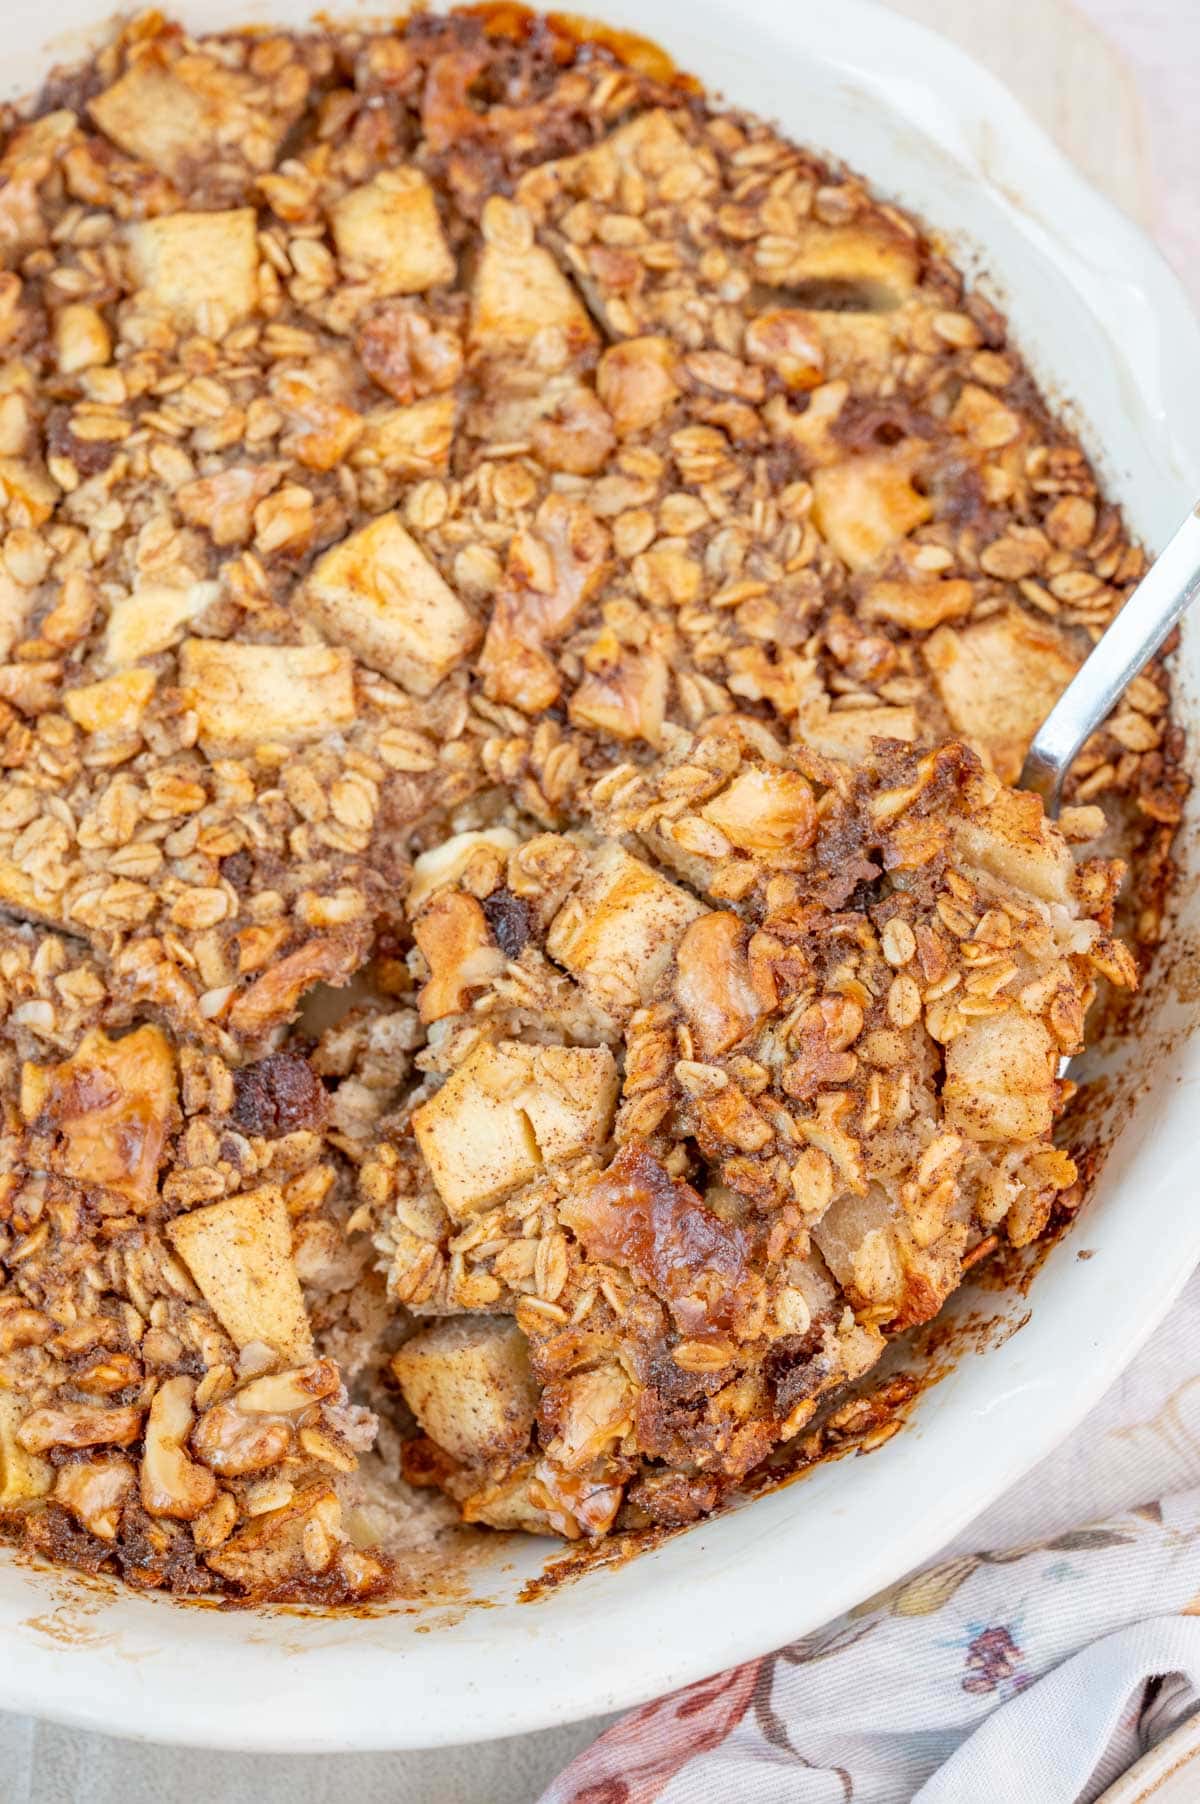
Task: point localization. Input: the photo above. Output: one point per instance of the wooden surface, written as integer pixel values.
(1123, 106)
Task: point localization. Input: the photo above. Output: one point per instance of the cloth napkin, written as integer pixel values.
(1048, 1649)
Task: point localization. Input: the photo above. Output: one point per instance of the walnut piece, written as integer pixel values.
(172, 1484)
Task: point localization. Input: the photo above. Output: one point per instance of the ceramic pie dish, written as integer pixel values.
(543, 1662)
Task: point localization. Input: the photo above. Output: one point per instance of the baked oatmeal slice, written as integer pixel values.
(840, 1077)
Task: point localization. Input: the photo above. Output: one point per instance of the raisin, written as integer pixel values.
(279, 1095)
(508, 918)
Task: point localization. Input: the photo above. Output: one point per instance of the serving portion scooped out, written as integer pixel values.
(741, 1106)
(486, 526)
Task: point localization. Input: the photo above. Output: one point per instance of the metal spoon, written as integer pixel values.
(1163, 596)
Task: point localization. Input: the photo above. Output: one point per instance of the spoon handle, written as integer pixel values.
(1164, 594)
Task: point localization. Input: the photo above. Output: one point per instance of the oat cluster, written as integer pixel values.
(522, 594)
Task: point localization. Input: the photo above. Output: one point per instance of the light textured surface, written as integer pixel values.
(1067, 75)
(1087, 95)
(41, 1764)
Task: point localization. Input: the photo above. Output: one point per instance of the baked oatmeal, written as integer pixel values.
(523, 595)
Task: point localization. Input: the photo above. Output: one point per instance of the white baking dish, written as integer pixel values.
(1107, 329)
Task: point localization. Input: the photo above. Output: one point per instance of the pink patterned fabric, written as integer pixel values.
(1036, 1673)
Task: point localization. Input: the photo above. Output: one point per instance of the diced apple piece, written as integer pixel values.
(998, 680)
(570, 1098)
(191, 262)
(113, 705)
(247, 695)
(478, 1145)
(507, 1110)
(180, 115)
(835, 263)
(845, 1225)
(866, 505)
(1000, 1078)
(1008, 836)
(618, 933)
(82, 340)
(519, 290)
(847, 733)
(150, 619)
(23, 1476)
(468, 1382)
(917, 607)
(151, 114)
(388, 233)
(379, 594)
(239, 1251)
(873, 1255)
(108, 1109)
